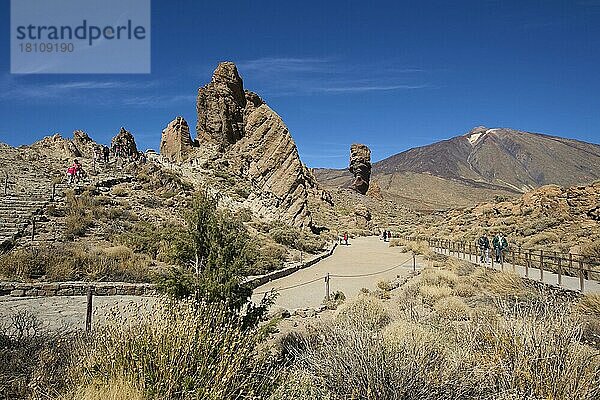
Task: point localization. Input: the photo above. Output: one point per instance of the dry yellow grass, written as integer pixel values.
(117, 388)
(452, 307)
(431, 294)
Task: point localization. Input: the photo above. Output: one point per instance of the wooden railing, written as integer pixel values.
(583, 267)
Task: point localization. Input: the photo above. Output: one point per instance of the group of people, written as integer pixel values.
(499, 243)
(101, 154)
(75, 172)
(387, 235)
(344, 238)
(126, 153)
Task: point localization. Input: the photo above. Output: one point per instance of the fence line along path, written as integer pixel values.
(361, 264)
(566, 270)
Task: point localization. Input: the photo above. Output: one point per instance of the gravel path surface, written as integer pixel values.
(366, 255)
(363, 256)
(68, 312)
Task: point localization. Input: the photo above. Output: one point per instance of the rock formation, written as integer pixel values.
(176, 141)
(125, 141)
(220, 106)
(84, 143)
(58, 146)
(362, 217)
(257, 145)
(360, 167)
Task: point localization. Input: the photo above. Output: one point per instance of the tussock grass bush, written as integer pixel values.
(184, 350)
(33, 360)
(464, 289)
(417, 247)
(452, 307)
(298, 385)
(366, 311)
(588, 310)
(541, 239)
(117, 388)
(431, 294)
(438, 277)
(506, 284)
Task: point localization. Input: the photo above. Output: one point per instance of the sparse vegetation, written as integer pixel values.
(434, 343)
(64, 262)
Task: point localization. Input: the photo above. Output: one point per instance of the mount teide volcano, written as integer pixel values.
(477, 166)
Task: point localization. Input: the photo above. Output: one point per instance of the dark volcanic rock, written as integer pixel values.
(220, 106)
(360, 167)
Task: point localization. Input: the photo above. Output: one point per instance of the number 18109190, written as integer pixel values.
(47, 47)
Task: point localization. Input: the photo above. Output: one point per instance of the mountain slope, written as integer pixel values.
(479, 165)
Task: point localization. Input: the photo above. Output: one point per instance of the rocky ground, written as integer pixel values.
(550, 217)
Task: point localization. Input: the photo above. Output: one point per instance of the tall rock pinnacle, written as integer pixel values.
(220, 106)
(125, 141)
(360, 167)
(176, 141)
(258, 147)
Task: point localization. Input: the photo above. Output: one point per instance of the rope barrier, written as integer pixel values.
(373, 273)
(337, 276)
(291, 287)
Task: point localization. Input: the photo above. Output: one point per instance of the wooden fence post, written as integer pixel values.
(541, 265)
(527, 262)
(88, 315)
(327, 287)
(581, 275)
(560, 271)
(414, 262)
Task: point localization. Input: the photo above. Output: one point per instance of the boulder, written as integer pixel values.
(176, 141)
(360, 167)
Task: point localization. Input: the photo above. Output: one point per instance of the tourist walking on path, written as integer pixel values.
(75, 172)
(346, 238)
(500, 244)
(385, 236)
(484, 249)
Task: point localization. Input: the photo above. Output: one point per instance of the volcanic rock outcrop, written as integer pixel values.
(257, 145)
(360, 167)
(220, 106)
(176, 141)
(125, 141)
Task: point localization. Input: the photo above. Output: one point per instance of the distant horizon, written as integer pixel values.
(392, 75)
(347, 154)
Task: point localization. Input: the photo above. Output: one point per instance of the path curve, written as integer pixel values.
(364, 255)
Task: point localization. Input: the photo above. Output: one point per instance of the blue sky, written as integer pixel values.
(392, 75)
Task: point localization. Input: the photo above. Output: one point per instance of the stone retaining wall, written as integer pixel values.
(256, 281)
(44, 289)
(18, 289)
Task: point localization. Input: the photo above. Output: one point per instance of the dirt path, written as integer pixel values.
(363, 256)
(68, 312)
